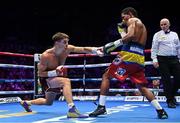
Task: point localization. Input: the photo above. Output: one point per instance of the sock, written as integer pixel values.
(102, 100)
(156, 104)
(70, 105)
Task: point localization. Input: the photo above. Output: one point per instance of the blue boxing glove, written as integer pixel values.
(112, 46)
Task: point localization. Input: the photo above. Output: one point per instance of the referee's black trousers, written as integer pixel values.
(169, 66)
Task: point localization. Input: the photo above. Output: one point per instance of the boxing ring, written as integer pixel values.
(120, 107)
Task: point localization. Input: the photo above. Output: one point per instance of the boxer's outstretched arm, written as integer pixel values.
(94, 50)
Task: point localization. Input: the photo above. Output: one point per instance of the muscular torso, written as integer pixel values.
(54, 61)
(56, 56)
(133, 50)
(140, 34)
(50, 61)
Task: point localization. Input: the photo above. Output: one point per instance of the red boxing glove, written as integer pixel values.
(98, 51)
(60, 70)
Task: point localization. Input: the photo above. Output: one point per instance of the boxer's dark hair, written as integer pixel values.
(130, 10)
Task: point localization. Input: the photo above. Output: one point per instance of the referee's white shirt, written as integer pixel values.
(165, 44)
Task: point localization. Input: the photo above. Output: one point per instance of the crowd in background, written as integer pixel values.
(10, 79)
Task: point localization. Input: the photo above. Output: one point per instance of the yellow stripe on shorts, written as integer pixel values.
(132, 57)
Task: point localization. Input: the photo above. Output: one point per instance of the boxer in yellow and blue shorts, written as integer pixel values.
(129, 63)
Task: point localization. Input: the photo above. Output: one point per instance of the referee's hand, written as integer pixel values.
(156, 64)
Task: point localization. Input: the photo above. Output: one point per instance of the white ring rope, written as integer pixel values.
(115, 90)
(66, 66)
(15, 66)
(113, 79)
(78, 90)
(17, 92)
(76, 79)
(82, 90)
(16, 80)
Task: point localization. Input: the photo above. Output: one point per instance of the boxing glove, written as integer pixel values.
(112, 46)
(57, 72)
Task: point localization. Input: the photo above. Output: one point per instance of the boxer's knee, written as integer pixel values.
(50, 97)
(49, 103)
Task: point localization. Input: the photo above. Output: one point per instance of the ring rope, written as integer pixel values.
(70, 55)
(115, 90)
(17, 92)
(114, 79)
(66, 66)
(76, 79)
(82, 90)
(16, 66)
(16, 80)
(15, 54)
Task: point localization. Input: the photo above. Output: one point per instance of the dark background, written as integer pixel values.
(88, 23)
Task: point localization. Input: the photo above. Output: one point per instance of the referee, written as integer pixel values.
(165, 53)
